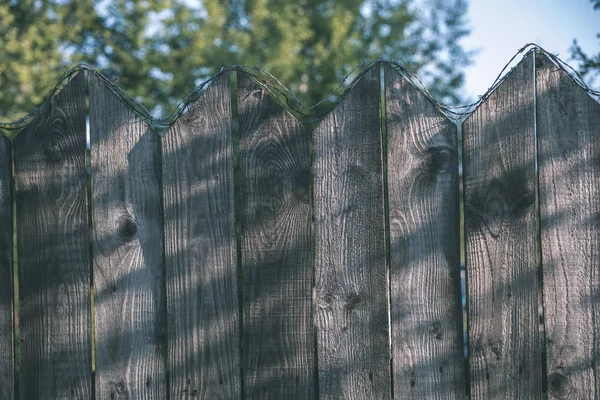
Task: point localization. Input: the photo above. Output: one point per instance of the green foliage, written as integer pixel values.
(588, 65)
(159, 50)
(30, 57)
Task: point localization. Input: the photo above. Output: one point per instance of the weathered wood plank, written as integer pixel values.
(427, 343)
(6, 271)
(277, 338)
(200, 247)
(127, 251)
(568, 123)
(500, 234)
(53, 250)
(351, 275)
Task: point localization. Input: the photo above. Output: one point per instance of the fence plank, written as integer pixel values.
(127, 237)
(6, 271)
(427, 343)
(277, 337)
(569, 152)
(499, 174)
(351, 275)
(200, 250)
(53, 250)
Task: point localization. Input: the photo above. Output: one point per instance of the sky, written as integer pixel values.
(501, 28)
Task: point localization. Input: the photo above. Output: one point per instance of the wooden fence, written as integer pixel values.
(343, 280)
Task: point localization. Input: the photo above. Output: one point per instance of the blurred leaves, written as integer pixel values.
(159, 50)
(588, 65)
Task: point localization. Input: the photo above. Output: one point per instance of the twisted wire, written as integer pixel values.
(287, 99)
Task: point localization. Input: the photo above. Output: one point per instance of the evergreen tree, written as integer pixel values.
(588, 65)
(159, 50)
(32, 33)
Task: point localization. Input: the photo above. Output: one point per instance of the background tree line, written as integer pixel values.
(159, 50)
(589, 65)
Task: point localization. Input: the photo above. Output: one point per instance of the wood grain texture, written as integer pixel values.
(6, 271)
(422, 155)
(500, 234)
(127, 251)
(277, 339)
(568, 123)
(53, 250)
(201, 261)
(351, 275)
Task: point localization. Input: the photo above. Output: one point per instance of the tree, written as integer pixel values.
(30, 56)
(588, 65)
(159, 50)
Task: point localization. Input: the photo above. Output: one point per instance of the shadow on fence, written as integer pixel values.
(244, 255)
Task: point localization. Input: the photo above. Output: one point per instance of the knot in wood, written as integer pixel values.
(477, 346)
(126, 228)
(326, 301)
(495, 202)
(301, 186)
(52, 149)
(436, 330)
(502, 200)
(120, 388)
(558, 385)
(496, 350)
(352, 301)
(434, 161)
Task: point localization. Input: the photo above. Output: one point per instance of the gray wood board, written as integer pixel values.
(351, 274)
(127, 251)
(277, 265)
(568, 123)
(500, 235)
(200, 250)
(53, 250)
(422, 154)
(6, 271)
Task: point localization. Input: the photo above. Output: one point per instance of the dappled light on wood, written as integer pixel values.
(244, 253)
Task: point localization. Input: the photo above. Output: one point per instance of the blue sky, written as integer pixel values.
(501, 28)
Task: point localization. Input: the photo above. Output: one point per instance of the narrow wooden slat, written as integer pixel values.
(200, 249)
(568, 123)
(277, 339)
(500, 234)
(127, 251)
(53, 250)
(422, 174)
(6, 271)
(351, 276)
